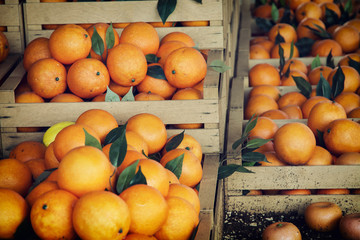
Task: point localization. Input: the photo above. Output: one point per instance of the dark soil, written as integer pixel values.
(249, 226)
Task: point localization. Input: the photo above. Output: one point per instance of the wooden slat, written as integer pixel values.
(8, 65)
(9, 15)
(205, 226)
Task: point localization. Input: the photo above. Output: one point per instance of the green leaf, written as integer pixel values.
(291, 50)
(156, 71)
(319, 31)
(175, 165)
(155, 156)
(165, 8)
(228, 170)
(250, 125)
(111, 96)
(219, 66)
(323, 88)
(129, 96)
(254, 157)
(256, 143)
(126, 176)
(338, 82)
(279, 39)
(331, 17)
(114, 134)
(354, 64)
(330, 60)
(239, 142)
(320, 138)
(97, 44)
(175, 141)
(303, 85)
(282, 58)
(139, 178)
(304, 46)
(316, 62)
(264, 24)
(91, 140)
(287, 72)
(118, 148)
(152, 58)
(348, 7)
(274, 12)
(110, 37)
(43, 176)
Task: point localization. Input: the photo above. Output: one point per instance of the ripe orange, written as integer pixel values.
(348, 37)
(120, 25)
(355, 22)
(314, 74)
(142, 35)
(310, 103)
(137, 141)
(352, 78)
(160, 24)
(130, 157)
(148, 208)
(265, 128)
(294, 143)
(36, 166)
(66, 97)
(264, 74)
(71, 137)
(37, 49)
(272, 159)
(88, 78)
(257, 51)
(259, 104)
(329, 5)
(69, 43)
(27, 150)
(287, 31)
(267, 147)
(172, 177)
(101, 215)
(178, 36)
(47, 78)
(4, 47)
(127, 64)
(269, 90)
(185, 67)
(39, 190)
(28, 97)
(51, 215)
(157, 86)
(323, 47)
(275, 114)
(340, 136)
(50, 159)
(348, 100)
(344, 61)
(323, 113)
(148, 96)
(289, 81)
(166, 48)
(291, 98)
(295, 192)
(321, 156)
(308, 10)
(302, 31)
(293, 4)
(195, 23)
(101, 29)
(348, 158)
(295, 64)
(187, 193)
(355, 113)
(189, 143)
(293, 111)
(14, 210)
(101, 121)
(151, 128)
(15, 175)
(286, 46)
(192, 172)
(339, 191)
(262, 11)
(118, 89)
(181, 221)
(267, 44)
(84, 169)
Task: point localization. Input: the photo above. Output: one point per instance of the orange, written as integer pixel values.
(66, 97)
(47, 78)
(101, 215)
(192, 172)
(314, 74)
(120, 25)
(303, 32)
(189, 143)
(331, 29)
(323, 47)
(142, 35)
(257, 51)
(352, 78)
(178, 36)
(289, 81)
(88, 78)
(195, 23)
(151, 128)
(321, 1)
(4, 47)
(348, 37)
(321, 156)
(13, 210)
(344, 61)
(333, 191)
(293, 4)
(267, 44)
(272, 159)
(22, 87)
(137, 141)
(83, 169)
(294, 143)
(69, 43)
(331, 6)
(259, 104)
(295, 64)
(101, 121)
(340, 136)
(127, 64)
(308, 10)
(166, 48)
(258, 39)
(264, 74)
(28, 97)
(181, 221)
(185, 67)
(15, 175)
(118, 89)
(172, 177)
(269, 90)
(37, 49)
(275, 114)
(348, 100)
(50, 159)
(254, 193)
(286, 46)
(262, 11)
(287, 31)
(293, 111)
(71, 137)
(355, 22)
(137, 236)
(323, 113)
(355, 113)
(265, 128)
(348, 158)
(187, 193)
(101, 29)
(200, 86)
(27, 150)
(267, 147)
(160, 24)
(291, 98)
(36, 166)
(130, 157)
(39, 190)
(310, 103)
(155, 175)
(148, 96)
(53, 176)
(51, 215)
(295, 192)
(148, 208)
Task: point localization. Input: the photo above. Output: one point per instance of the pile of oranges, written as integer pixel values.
(308, 21)
(76, 187)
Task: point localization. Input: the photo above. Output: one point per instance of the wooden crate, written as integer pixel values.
(12, 18)
(8, 65)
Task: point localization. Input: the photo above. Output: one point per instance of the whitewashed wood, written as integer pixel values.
(219, 211)
(9, 64)
(9, 14)
(205, 225)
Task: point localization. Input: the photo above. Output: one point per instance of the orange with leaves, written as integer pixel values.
(126, 64)
(161, 24)
(323, 48)
(47, 78)
(27, 150)
(264, 74)
(142, 35)
(273, 160)
(185, 67)
(314, 74)
(37, 49)
(69, 43)
(130, 157)
(137, 141)
(178, 36)
(344, 61)
(331, 6)
(308, 10)
(189, 143)
(348, 37)
(321, 156)
(287, 31)
(294, 143)
(259, 104)
(289, 80)
(351, 81)
(302, 30)
(286, 46)
(295, 64)
(4, 47)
